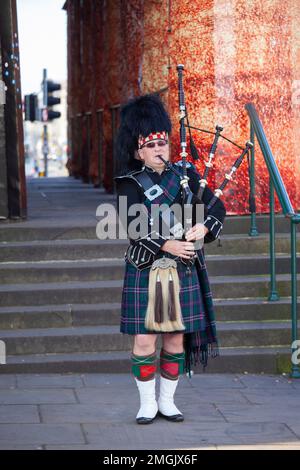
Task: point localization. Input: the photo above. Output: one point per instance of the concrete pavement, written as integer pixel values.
(97, 411)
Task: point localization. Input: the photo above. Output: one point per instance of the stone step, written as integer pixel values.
(60, 181)
(65, 228)
(101, 249)
(108, 338)
(100, 270)
(65, 315)
(223, 287)
(231, 360)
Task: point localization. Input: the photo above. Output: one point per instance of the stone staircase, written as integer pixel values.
(60, 291)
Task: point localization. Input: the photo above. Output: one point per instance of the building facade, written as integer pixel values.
(234, 52)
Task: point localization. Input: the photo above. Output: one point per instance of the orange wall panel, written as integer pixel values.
(234, 52)
(237, 52)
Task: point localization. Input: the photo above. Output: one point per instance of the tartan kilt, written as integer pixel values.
(192, 301)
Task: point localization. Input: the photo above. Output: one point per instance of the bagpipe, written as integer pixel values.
(188, 196)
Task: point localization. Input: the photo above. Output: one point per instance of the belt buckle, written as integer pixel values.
(164, 263)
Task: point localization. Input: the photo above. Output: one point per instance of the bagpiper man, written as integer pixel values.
(166, 288)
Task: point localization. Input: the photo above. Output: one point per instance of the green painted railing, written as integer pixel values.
(276, 183)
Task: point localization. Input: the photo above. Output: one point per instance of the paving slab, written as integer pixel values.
(213, 381)
(252, 413)
(7, 381)
(296, 384)
(254, 381)
(94, 380)
(295, 427)
(107, 397)
(33, 397)
(19, 414)
(240, 433)
(220, 396)
(48, 381)
(40, 434)
(271, 397)
(87, 413)
(166, 436)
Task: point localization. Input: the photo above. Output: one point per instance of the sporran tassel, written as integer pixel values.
(163, 310)
(172, 311)
(158, 309)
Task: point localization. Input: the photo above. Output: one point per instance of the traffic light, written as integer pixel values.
(31, 106)
(51, 100)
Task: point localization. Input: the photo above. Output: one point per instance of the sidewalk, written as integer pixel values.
(97, 411)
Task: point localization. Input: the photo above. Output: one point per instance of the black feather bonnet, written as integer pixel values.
(143, 115)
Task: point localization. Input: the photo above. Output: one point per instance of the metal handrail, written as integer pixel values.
(277, 184)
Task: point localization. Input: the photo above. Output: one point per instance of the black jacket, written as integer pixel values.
(214, 218)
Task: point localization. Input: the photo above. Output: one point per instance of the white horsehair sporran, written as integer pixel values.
(164, 310)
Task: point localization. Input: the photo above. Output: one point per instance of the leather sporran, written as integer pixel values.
(164, 310)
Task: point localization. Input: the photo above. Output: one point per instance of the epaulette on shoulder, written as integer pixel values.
(136, 172)
(130, 174)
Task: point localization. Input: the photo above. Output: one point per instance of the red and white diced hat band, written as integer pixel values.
(153, 136)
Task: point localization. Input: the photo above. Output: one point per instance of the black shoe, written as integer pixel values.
(174, 418)
(143, 420)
